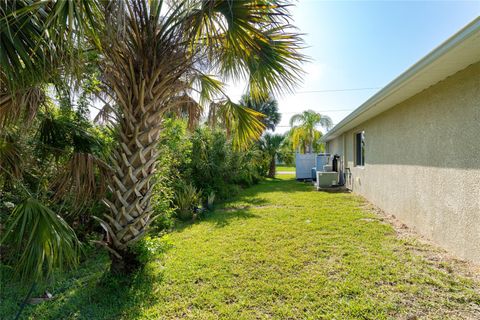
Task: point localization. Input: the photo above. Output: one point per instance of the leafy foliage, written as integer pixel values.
(53, 171)
(267, 106)
(149, 247)
(40, 240)
(216, 166)
(270, 145)
(187, 200)
(304, 136)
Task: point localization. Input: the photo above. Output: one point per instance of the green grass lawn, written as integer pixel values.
(285, 169)
(278, 251)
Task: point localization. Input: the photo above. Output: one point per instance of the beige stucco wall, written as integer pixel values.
(423, 162)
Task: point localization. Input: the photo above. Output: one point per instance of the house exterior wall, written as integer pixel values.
(422, 162)
(335, 146)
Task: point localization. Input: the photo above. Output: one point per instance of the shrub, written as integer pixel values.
(216, 166)
(211, 200)
(204, 159)
(149, 248)
(187, 201)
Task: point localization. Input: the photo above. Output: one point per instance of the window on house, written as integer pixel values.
(360, 148)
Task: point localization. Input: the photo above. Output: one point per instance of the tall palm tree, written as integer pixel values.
(267, 106)
(304, 132)
(270, 144)
(152, 52)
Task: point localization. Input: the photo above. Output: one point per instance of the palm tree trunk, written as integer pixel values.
(131, 186)
(312, 136)
(131, 190)
(272, 168)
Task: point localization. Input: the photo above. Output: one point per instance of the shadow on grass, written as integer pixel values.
(90, 292)
(221, 217)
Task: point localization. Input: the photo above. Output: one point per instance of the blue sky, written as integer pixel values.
(360, 44)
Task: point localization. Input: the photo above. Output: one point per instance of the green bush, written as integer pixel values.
(187, 200)
(216, 167)
(149, 247)
(211, 200)
(204, 159)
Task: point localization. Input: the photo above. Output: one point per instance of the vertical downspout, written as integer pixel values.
(345, 162)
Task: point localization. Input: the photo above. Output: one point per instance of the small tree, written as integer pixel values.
(271, 144)
(304, 134)
(267, 106)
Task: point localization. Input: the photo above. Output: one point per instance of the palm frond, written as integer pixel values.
(210, 88)
(186, 107)
(271, 143)
(22, 104)
(299, 137)
(267, 105)
(326, 122)
(253, 40)
(105, 115)
(296, 118)
(84, 177)
(42, 241)
(52, 134)
(244, 122)
(38, 41)
(11, 160)
(24, 54)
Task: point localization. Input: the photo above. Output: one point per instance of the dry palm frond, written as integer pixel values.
(187, 107)
(213, 117)
(105, 115)
(10, 157)
(84, 176)
(20, 105)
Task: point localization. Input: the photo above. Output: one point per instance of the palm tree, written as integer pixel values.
(304, 132)
(270, 144)
(151, 52)
(267, 106)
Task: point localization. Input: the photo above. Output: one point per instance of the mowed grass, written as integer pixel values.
(278, 251)
(285, 169)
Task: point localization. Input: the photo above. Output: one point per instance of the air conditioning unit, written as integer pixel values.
(326, 179)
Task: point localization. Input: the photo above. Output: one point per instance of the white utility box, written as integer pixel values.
(326, 179)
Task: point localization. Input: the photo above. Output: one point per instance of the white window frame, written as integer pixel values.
(355, 149)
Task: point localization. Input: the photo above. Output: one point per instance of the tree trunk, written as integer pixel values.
(271, 170)
(130, 189)
(130, 208)
(311, 141)
(146, 86)
(127, 264)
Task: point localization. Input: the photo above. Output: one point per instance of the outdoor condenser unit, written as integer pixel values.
(326, 179)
